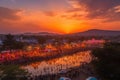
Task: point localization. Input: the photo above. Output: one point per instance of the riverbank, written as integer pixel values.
(34, 56)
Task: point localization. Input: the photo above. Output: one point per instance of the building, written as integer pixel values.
(94, 43)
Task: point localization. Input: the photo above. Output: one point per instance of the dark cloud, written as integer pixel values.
(49, 13)
(104, 9)
(20, 27)
(8, 14)
(73, 16)
(73, 10)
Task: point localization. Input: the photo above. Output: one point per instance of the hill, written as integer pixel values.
(97, 32)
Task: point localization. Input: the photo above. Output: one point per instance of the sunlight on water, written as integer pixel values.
(55, 66)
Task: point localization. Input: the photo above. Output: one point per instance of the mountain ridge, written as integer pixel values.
(98, 32)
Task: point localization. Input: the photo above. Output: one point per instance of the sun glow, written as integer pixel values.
(71, 26)
(54, 24)
(67, 29)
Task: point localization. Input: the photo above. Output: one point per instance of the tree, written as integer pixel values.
(42, 39)
(10, 43)
(0, 48)
(106, 61)
(12, 72)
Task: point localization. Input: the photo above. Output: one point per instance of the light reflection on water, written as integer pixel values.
(54, 66)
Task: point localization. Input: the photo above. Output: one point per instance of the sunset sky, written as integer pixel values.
(60, 16)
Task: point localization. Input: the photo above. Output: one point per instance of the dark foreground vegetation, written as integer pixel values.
(107, 61)
(12, 72)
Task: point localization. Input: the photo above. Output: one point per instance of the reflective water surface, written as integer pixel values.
(58, 65)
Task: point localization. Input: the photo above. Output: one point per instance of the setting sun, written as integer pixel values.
(67, 27)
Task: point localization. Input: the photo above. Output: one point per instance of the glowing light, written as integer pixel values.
(68, 26)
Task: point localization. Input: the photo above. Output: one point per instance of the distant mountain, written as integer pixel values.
(41, 34)
(97, 32)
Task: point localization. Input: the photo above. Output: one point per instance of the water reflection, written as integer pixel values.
(57, 65)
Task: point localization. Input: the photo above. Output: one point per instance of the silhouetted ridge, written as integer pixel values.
(97, 32)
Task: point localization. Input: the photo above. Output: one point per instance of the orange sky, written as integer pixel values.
(67, 16)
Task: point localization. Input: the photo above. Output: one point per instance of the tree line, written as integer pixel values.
(107, 61)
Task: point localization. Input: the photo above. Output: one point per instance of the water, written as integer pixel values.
(57, 65)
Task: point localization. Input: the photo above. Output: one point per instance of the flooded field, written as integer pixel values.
(58, 65)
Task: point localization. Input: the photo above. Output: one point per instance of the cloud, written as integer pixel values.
(21, 27)
(9, 14)
(17, 21)
(49, 13)
(98, 9)
(117, 9)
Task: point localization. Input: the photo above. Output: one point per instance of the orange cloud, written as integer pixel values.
(75, 19)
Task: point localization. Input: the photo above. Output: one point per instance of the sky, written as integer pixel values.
(59, 16)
